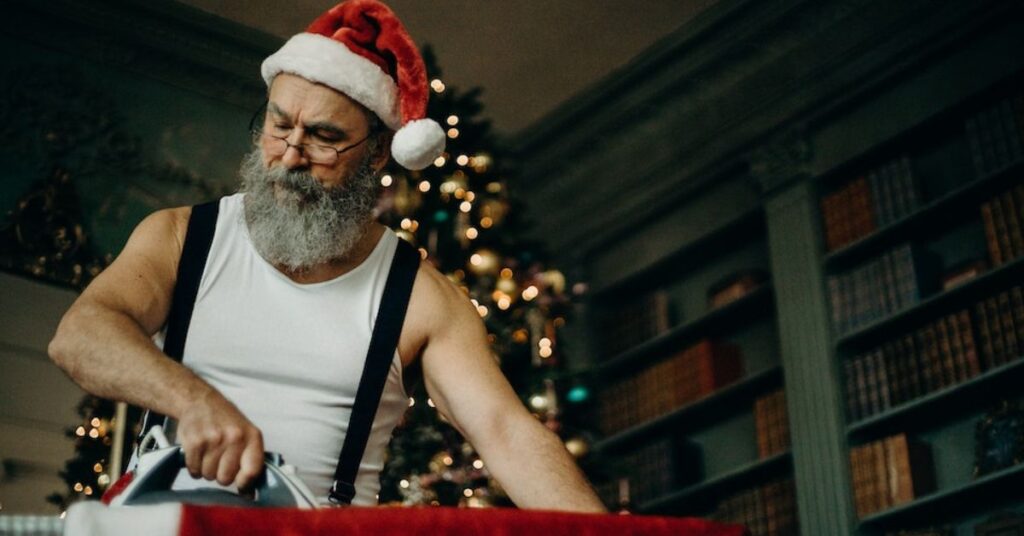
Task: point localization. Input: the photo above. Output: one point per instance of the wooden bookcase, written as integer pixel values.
(948, 223)
(721, 424)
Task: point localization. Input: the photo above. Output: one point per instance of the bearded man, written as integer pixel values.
(288, 293)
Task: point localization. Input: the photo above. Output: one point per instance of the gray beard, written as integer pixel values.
(302, 224)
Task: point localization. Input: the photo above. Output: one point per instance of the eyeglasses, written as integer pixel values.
(275, 146)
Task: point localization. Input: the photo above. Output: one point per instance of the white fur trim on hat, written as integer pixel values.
(417, 144)
(321, 59)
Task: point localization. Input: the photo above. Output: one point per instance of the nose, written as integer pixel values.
(294, 157)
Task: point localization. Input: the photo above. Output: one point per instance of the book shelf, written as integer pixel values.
(949, 228)
(722, 418)
(700, 496)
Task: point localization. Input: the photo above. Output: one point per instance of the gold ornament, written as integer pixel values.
(484, 262)
(577, 446)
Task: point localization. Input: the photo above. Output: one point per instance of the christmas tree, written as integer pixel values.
(462, 215)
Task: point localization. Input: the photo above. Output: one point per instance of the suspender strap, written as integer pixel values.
(201, 226)
(383, 342)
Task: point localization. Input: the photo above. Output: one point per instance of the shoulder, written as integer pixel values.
(437, 292)
(161, 229)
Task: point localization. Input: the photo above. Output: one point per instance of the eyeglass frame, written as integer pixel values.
(258, 131)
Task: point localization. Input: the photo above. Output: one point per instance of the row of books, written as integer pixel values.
(897, 279)
(1000, 321)
(1003, 217)
(940, 354)
(766, 510)
(669, 384)
(886, 194)
(772, 423)
(937, 355)
(637, 321)
(651, 472)
(996, 135)
(889, 472)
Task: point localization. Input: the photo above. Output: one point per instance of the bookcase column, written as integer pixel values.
(813, 397)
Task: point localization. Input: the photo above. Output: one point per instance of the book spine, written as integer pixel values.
(970, 348)
(1002, 231)
(956, 340)
(949, 368)
(863, 397)
(1017, 305)
(984, 336)
(995, 253)
(896, 378)
(934, 356)
(1013, 223)
(858, 480)
(904, 350)
(761, 424)
(885, 183)
(1011, 347)
(874, 182)
(850, 382)
(835, 302)
(884, 381)
(871, 373)
(919, 344)
(995, 329)
(880, 479)
(892, 301)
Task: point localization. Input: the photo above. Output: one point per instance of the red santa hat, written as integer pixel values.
(359, 47)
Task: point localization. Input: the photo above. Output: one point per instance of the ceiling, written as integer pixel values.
(528, 55)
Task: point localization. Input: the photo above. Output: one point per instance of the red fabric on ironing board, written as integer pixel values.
(216, 520)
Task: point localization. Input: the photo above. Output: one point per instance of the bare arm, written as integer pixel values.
(528, 460)
(103, 343)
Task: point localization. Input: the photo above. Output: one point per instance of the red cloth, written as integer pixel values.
(202, 520)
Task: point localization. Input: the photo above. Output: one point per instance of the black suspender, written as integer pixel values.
(198, 237)
(383, 342)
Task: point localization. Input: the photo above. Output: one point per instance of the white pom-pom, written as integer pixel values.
(418, 143)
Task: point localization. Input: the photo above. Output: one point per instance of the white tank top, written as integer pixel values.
(290, 355)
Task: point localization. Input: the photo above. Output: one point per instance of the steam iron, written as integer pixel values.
(278, 487)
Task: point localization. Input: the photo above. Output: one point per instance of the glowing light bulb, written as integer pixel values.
(437, 85)
(439, 162)
(425, 186)
(466, 206)
(386, 181)
(462, 160)
(453, 120)
(453, 133)
(472, 233)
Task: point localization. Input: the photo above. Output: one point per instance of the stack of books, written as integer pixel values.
(940, 354)
(895, 280)
(772, 424)
(632, 323)
(847, 214)
(1003, 216)
(995, 135)
(887, 193)
(669, 384)
(890, 472)
(767, 510)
